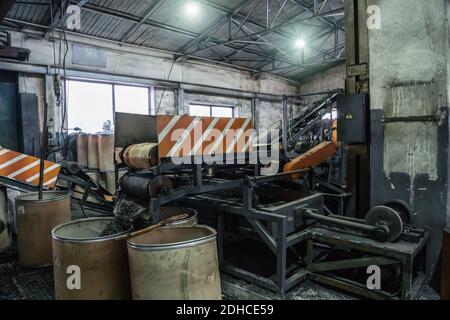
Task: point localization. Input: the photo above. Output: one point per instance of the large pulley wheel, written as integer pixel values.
(160, 185)
(388, 219)
(403, 209)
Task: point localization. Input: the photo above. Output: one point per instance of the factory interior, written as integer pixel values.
(226, 150)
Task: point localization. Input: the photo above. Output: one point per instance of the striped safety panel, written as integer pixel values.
(195, 136)
(24, 168)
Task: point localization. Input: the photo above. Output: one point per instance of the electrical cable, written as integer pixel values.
(64, 111)
(164, 91)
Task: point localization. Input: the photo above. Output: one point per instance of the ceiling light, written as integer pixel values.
(300, 43)
(192, 8)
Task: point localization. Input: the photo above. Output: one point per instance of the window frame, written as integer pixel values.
(151, 92)
(233, 108)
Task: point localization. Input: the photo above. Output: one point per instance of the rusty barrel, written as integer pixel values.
(82, 150)
(99, 262)
(35, 220)
(110, 181)
(5, 234)
(106, 152)
(174, 263)
(92, 151)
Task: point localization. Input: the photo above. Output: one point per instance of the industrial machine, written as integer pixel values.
(295, 218)
(167, 158)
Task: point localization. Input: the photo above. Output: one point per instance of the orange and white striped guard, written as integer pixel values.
(182, 136)
(24, 168)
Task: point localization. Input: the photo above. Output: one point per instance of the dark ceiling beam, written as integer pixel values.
(15, 24)
(226, 11)
(322, 53)
(216, 24)
(246, 18)
(153, 7)
(149, 22)
(312, 63)
(278, 14)
(310, 9)
(259, 33)
(229, 15)
(133, 19)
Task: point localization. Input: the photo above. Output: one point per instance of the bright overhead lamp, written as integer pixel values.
(300, 43)
(192, 8)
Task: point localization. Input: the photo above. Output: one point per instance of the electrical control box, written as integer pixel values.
(353, 118)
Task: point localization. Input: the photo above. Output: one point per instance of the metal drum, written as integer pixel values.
(35, 221)
(175, 263)
(5, 232)
(110, 181)
(102, 261)
(82, 150)
(140, 156)
(106, 152)
(190, 221)
(93, 151)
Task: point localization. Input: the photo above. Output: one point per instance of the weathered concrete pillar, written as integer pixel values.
(409, 101)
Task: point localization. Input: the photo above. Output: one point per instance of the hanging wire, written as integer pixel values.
(164, 91)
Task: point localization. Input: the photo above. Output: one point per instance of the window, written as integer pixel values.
(212, 111)
(200, 111)
(330, 116)
(130, 99)
(91, 104)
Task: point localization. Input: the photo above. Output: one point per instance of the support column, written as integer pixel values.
(357, 81)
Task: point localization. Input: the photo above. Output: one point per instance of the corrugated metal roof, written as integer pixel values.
(164, 24)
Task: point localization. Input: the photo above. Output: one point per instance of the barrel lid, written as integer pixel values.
(168, 212)
(46, 196)
(173, 238)
(85, 230)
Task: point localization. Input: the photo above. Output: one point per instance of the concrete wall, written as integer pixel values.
(333, 78)
(107, 57)
(409, 78)
(103, 57)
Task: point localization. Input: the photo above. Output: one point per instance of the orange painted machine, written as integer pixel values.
(24, 168)
(195, 136)
(315, 156)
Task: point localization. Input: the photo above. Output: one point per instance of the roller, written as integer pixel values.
(140, 156)
(143, 188)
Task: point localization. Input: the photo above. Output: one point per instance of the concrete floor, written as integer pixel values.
(18, 283)
(37, 284)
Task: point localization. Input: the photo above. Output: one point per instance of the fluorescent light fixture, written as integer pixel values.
(300, 43)
(192, 8)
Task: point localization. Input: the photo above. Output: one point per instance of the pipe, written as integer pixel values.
(43, 151)
(335, 220)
